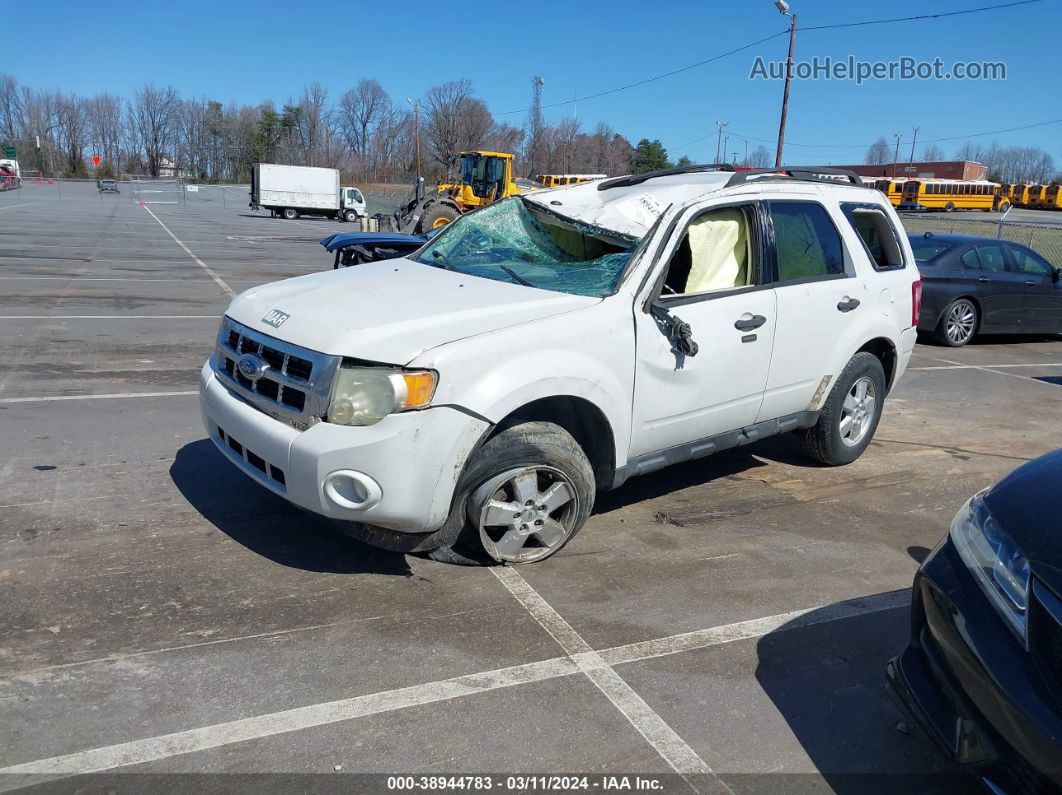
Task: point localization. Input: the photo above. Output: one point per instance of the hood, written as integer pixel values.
(391, 311)
(1028, 505)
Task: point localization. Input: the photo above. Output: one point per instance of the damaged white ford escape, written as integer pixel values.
(469, 400)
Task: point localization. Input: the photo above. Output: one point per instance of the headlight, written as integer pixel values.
(995, 560)
(365, 395)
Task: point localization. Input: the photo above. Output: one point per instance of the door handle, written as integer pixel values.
(848, 304)
(1031, 283)
(983, 279)
(749, 322)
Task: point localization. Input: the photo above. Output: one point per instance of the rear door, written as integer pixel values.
(819, 298)
(1043, 290)
(1000, 292)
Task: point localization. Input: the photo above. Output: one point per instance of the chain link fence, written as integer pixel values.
(1046, 239)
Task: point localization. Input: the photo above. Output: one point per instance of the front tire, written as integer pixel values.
(850, 416)
(437, 217)
(524, 494)
(350, 216)
(958, 324)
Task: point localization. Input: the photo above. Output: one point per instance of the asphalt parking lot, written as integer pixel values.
(162, 614)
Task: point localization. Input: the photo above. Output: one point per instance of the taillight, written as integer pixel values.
(916, 301)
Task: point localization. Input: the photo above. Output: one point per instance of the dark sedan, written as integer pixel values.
(982, 672)
(976, 285)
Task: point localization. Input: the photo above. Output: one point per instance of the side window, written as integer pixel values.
(716, 253)
(992, 258)
(807, 242)
(357, 196)
(970, 260)
(1028, 261)
(877, 233)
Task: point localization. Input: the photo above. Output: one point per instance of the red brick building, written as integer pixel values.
(940, 169)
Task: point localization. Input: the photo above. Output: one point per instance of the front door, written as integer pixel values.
(712, 281)
(1043, 290)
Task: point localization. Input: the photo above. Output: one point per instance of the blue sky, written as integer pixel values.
(247, 52)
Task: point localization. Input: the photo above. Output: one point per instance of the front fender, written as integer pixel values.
(492, 375)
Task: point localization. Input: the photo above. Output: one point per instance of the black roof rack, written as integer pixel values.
(637, 179)
(805, 173)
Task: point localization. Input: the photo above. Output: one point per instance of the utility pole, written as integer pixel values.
(783, 8)
(416, 133)
(746, 153)
(896, 157)
(734, 161)
(719, 126)
(913, 139)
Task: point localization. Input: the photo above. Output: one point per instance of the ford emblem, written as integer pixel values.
(251, 366)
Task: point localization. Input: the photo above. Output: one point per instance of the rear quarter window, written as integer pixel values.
(877, 233)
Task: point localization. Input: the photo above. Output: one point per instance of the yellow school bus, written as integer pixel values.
(555, 180)
(892, 188)
(949, 194)
(1052, 200)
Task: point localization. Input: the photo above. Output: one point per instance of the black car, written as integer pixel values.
(978, 285)
(982, 672)
(108, 186)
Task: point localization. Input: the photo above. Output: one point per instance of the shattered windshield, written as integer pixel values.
(512, 241)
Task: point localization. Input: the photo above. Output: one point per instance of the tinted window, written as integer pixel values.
(969, 260)
(925, 248)
(1028, 261)
(992, 258)
(806, 240)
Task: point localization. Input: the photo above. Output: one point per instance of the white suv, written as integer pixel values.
(468, 400)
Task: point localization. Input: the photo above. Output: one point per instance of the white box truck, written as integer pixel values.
(291, 191)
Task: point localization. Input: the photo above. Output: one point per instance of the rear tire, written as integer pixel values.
(523, 495)
(958, 324)
(290, 213)
(850, 416)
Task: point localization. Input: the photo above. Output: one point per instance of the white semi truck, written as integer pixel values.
(291, 191)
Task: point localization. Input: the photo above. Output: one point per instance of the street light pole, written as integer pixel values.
(896, 157)
(720, 126)
(783, 7)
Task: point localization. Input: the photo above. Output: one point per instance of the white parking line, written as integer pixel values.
(665, 740)
(98, 397)
(228, 290)
(985, 366)
(986, 369)
(273, 723)
(13, 206)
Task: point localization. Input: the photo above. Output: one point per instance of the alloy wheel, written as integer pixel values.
(857, 411)
(524, 514)
(960, 322)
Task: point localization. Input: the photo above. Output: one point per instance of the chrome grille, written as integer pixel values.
(294, 385)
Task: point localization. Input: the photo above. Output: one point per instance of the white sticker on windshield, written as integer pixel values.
(643, 209)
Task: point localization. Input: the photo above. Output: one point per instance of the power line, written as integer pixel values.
(744, 47)
(920, 16)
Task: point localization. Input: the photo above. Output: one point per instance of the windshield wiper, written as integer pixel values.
(443, 261)
(516, 276)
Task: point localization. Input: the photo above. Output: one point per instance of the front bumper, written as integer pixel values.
(399, 474)
(972, 685)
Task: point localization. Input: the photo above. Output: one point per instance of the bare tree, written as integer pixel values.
(879, 152)
(153, 116)
(362, 110)
(315, 120)
(106, 130)
(71, 128)
(455, 121)
(760, 157)
(11, 119)
(932, 153)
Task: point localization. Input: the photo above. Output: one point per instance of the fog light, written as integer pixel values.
(352, 490)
